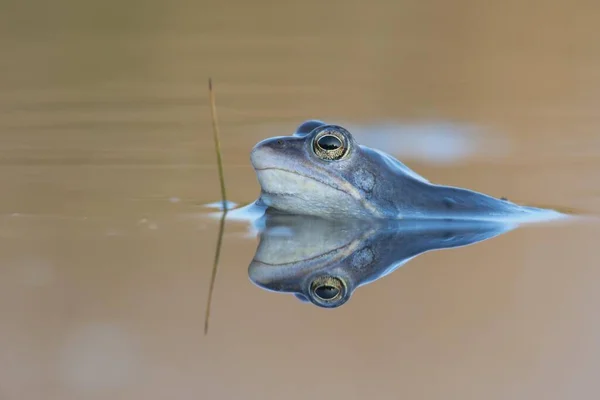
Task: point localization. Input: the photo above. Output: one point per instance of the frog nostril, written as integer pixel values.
(280, 142)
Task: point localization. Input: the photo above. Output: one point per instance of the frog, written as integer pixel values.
(321, 170)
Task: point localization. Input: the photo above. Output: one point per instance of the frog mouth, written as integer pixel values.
(281, 182)
(295, 180)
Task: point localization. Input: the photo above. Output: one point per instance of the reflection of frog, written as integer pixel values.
(324, 260)
(322, 171)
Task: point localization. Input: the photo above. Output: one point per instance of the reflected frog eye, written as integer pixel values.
(330, 143)
(327, 291)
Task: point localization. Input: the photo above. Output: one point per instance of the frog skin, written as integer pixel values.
(323, 260)
(322, 171)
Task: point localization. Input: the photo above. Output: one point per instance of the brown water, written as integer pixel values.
(106, 159)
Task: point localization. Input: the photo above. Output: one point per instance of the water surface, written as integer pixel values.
(106, 161)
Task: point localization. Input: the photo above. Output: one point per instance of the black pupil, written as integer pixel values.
(327, 292)
(329, 142)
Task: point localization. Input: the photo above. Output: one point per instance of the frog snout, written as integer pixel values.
(265, 152)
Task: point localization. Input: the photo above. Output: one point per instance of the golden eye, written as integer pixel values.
(328, 291)
(330, 144)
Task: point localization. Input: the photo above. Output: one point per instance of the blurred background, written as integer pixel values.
(107, 161)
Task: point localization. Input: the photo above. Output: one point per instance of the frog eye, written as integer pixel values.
(328, 291)
(330, 143)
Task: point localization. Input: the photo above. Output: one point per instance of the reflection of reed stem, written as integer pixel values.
(215, 125)
(214, 270)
